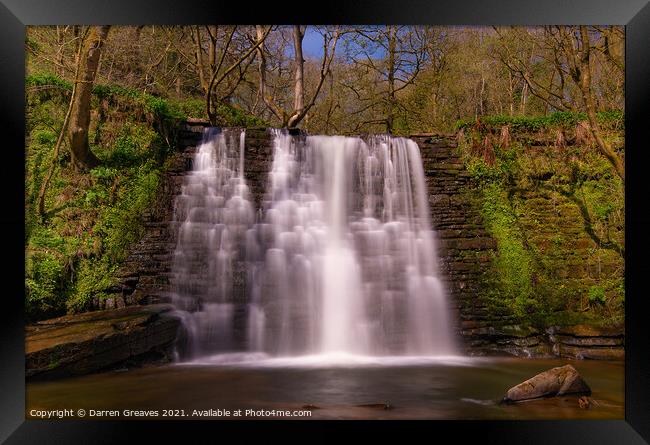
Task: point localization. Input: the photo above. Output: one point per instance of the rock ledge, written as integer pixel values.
(94, 341)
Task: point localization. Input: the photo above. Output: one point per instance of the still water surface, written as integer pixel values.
(337, 387)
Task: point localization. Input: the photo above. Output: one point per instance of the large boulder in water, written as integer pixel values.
(554, 382)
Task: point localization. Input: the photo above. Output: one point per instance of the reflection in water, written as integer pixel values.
(452, 390)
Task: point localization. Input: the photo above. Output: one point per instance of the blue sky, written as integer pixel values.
(312, 43)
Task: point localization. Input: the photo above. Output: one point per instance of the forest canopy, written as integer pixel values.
(353, 79)
(101, 101)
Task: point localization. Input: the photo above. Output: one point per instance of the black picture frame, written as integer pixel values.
(634, 14)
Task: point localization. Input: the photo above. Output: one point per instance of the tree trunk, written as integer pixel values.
(217, 78)
(199, 60)
(60, 40)
(212, 45)
(82, 157)
(55, 155)
(585, 88)
(76, 31)
(392, 44)
(299, 89)
(511, 95)
(268, 101)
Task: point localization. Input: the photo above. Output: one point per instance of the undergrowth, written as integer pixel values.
(92, 218)
(557, 215)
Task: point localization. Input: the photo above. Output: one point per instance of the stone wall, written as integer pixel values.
(258, 160)
(464, 247)
(465, 250)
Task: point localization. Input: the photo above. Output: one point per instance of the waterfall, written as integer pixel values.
(212, 214)
(341, 257)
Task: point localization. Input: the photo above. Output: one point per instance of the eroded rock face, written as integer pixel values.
(575, 342)
(94, 341)
(554, 382)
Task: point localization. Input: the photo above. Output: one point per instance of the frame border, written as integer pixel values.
(634, 14)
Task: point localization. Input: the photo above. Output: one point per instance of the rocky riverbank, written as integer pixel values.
(573, 342)
(136, 336)
(95, 341)
(126, 333)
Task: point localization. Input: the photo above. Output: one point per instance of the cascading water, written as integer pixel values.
(212, 214)
(341, 259)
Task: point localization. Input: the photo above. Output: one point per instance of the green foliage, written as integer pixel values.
(48, 239)
(49, 260)
(160, 108)
(230, 116)
(608, 295)
(40, 147)
(592, 166)
(43, 284)
(109, 91)
(94, 278)
(509, 288)
(47, 80)
(506, 165)
(134, 144)
(49, 89)
(482, 173)
(94, 217)
(612, 119)
(546, 208)
(120, 225)
(170, 109)
(596, 295)
(44, 137)
(103, 173)
(513, 268)
(193, 108)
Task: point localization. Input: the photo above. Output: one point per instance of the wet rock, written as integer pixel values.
(598, 352)
(554, 382)
(120, 325)
(575, 342)
(100, 340)
(385, 405)
(585, 402)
